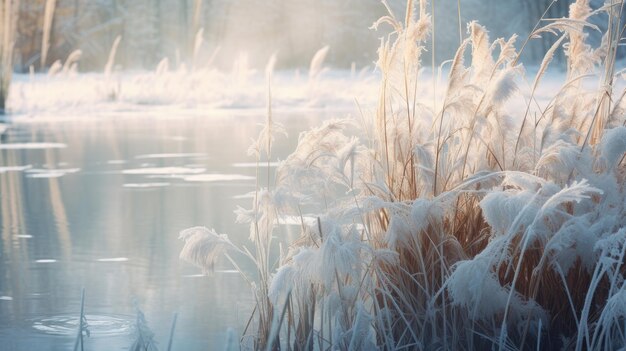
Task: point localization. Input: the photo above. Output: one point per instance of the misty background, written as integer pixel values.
(253, 30)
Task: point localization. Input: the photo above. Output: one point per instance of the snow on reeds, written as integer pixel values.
(178, 88)
(459, 225)
(200, 86)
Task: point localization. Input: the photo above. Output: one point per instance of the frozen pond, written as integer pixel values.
(99, 203)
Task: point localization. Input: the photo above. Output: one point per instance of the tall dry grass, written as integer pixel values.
(476, 218)
(8, 28)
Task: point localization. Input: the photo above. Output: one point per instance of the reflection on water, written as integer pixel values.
(98, 204)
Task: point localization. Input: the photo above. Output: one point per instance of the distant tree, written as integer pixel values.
(89, 25)
(295, 29)
(94, 27)
(9, 9)
(28, 42)
(141, 34)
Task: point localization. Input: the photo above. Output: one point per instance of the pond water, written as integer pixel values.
(98, 204)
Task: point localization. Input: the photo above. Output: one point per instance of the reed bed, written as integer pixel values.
(451, 220)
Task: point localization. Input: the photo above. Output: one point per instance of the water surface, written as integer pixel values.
(98, 203)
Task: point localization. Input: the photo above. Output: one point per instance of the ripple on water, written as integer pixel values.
(99, 325)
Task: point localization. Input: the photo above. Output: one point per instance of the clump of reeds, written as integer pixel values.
(9, 10)
(452, 221)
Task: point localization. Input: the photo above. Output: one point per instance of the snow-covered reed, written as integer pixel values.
(459, 223)
(193, 86)
(202, 90)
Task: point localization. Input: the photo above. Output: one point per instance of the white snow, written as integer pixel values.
(247, 196)
(170, 155)
(197, 93)
(46, 261)
(296, 220)
(31, 146)
(113, 259)
(216, 177)
(50, 173)
(254, 164)
(117, 162)
(14, 168)
(146, 185)
(163, 171)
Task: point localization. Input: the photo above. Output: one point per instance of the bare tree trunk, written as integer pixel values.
(47, 28)
(9, 12)
(158, 23)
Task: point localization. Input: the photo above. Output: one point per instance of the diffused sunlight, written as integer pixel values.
(312, 175)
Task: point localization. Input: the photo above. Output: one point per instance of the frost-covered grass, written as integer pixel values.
(198, 88)
(67, 92)
(476, 217)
